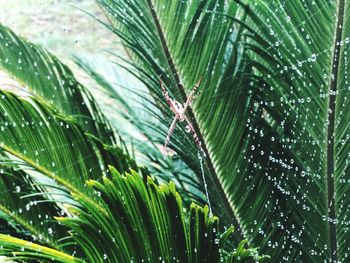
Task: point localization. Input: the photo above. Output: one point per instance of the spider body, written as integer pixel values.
(180, 115)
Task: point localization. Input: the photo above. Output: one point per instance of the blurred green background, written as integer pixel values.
(59, 25)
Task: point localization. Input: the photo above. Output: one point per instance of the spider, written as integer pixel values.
(180, 115)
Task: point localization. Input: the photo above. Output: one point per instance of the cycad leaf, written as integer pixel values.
(304, 99)
(43, 75)
(24, 250)
(57, 148)
(182, 41)
(144, 222)
(276, 141)
(30, 216)
(45, 141)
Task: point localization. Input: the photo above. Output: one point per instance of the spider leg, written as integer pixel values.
(167, 97)
(170, 132)
(194, 134)
(165, 93)
(191, 95)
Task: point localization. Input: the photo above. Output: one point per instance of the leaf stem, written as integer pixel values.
(330, 133)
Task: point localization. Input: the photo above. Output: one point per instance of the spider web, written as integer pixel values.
(308, 61)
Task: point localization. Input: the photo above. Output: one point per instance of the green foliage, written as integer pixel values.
(198, 42)
(140, 221)
(272, 113)
(144, 222)
(44, 76)
(272, 117)
(63, 202)
(303, 92)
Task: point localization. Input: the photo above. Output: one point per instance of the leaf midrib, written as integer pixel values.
(229, 212)
(330, 169)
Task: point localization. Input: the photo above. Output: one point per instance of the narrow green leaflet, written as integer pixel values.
(24, 250)
(44, 76)
(180, 42)
(144, 222)
(272, 112)
(26, 210)
(302, 48)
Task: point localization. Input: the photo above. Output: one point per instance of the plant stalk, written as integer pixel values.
(331, 115)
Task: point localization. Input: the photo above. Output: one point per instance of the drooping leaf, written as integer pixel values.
(25, 250)
(28, 214)
(44, 76)
(55, 154)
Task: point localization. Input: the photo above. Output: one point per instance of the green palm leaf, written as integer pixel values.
(204, 44)
(42, 74)
(48, 164)
(51, 157)
(145, 222)
(28, 214)
(272, 116)
(305, 97)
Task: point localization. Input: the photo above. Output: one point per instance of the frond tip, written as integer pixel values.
(143, 221)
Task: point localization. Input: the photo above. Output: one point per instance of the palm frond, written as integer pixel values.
(43, 75)
(29, 215)
(144, 221)
(46, 157)
(181, 53)
(23, 250)
(303, 48)
(272, 116)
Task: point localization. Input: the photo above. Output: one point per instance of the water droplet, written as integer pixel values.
(313, 58)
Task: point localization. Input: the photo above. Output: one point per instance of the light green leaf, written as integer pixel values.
(144, 221)
(44, 76)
